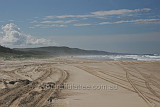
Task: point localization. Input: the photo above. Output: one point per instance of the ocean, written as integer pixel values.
(154, 57)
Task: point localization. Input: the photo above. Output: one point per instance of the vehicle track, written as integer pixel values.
(115, 76)
(8, 98)
(39, 99)
(13, 75)
(148, 99)
(50, 92)
(151, 90)
(147, 83)
(87, 69)
(151, 78)
(133, 87)
(139, 92)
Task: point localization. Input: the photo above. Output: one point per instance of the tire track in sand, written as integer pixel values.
(50, 92)
(133, 87)
(8, 98)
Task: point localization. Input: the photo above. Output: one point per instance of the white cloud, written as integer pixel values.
(145, 20)
(47, 21)
(119, 12)
(59, 17)
(59, 21)
(104, 23)
(154, 21)
(99, 14)
(123, 21)
(35, 21)
(49, 26)
(12, 35)
(112, 12)
(68, 16)
(82, 24)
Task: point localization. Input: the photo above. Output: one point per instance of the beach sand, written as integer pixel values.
(84, 83)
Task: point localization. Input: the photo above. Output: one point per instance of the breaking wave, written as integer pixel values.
(154, 57)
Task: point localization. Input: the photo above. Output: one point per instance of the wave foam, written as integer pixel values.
(123, 57)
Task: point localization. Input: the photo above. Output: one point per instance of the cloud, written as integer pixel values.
(35, 21)
(99, 14)
(59, 21)
(119, 12)
(67, 16)
(48, 26)
(49, 23)
(145, 21)
(105, 23)
(65, 20)
(82, 24)
(12, 35)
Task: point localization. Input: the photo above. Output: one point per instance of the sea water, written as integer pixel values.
(154, 57)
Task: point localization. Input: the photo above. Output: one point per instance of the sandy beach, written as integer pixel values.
(73, 82)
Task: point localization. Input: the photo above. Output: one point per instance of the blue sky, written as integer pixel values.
(130, 26)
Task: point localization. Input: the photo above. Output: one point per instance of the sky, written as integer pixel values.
(126, 26)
